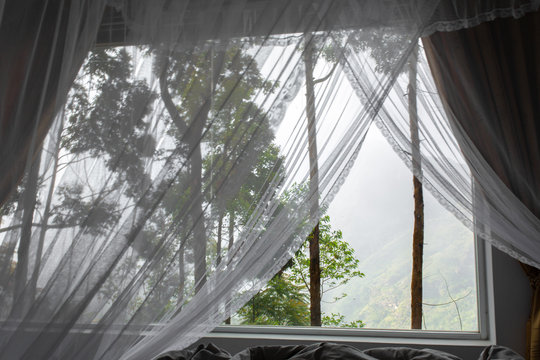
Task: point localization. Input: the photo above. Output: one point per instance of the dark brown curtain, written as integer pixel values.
(32, 46)
(489, 79)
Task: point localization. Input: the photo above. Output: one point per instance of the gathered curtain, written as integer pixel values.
(489, 80)
(156, 157)
(42, 52)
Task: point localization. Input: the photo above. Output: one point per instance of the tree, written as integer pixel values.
(281, 302)
(389, 49)
(314, 241)
(338, 267)
(268, 168)
(310, 45)
(29, 200)
(240, 196)
(338, 263)
(212, 92)
(119, 147)
(418, 230)
(190, 121)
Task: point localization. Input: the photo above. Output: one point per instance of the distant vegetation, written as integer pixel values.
(382, 298)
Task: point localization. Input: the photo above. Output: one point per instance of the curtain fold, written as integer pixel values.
(491, 84)
(489, 80)
(146, 136)
(42, 50)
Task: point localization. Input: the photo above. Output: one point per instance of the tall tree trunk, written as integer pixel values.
(418, 231)
(232, 224)
(20, 298)
(314, 251)
(219, 239)
(197, 216)
(253, 308)
(231, 243)
(46, 215)
(315, 278)
(181, 275)
(194, 136)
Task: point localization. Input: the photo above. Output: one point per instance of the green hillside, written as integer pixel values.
(374, 209)
(382, 298)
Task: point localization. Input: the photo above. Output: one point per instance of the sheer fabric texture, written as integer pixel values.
(490, 95)
(497, 111)
(155, 167)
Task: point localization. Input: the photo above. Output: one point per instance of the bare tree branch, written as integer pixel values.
(327, 76)
(452, 301)
(166, 96)
(48, 226)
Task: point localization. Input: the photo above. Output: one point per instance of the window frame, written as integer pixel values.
(485, 335)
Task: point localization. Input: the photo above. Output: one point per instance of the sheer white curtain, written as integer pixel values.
(157, 156)
(489, 182)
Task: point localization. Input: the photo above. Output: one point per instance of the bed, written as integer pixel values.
(330, 351)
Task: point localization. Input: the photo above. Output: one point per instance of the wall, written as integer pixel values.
(512, 294)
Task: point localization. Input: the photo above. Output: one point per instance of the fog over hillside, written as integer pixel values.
(374, 209)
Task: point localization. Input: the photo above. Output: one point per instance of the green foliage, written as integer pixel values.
(111, 114)
(95, 217)
(281, 303)
(385, 47)
(212, 109)
(338, 320)
(382, 299)
(269, 168)
(338, 264)
(285, 300)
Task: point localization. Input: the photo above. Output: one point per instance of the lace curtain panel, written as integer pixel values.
(490, 93)
(155, 155)
(496, 111)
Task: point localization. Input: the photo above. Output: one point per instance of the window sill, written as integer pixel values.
(367, 336)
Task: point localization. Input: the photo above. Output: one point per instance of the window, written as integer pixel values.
(99, 187)
(374, 212)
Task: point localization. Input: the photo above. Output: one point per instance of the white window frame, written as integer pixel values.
(378, 337)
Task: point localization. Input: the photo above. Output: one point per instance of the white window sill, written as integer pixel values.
(366, 336)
